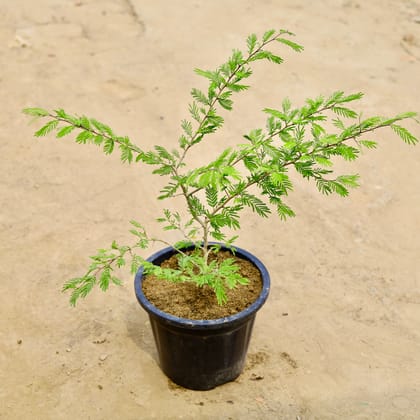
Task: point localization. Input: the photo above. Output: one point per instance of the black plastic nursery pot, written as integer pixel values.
(202, 354)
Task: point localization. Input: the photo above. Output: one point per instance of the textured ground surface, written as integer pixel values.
(346, 271)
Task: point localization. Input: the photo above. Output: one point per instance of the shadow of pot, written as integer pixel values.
(202, 354)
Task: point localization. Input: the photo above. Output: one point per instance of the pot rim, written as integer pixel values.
(239, 317)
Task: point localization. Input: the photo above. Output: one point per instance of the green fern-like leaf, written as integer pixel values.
(105, 279)
(72, 283)
(64, 131)
(126, 154)
(251, 43)
(351, 181)
(136, 262)
(207, 74)
(339, 188)
(404, 134)
(108, 146)
(347, 152)
(321, 160)
(268, 34)
(256, 204)
(80, 288)
(286, 105)
(195, 112)
(273, 57)
(275, 113)
(199, 96)
(291, 44)
(211, 196)
(187, 127)
(236, 87)
(369, 144)
(351, 98)
(83, 137)
(344, 112)
(280, 179)
(47, 128)
(225, 103)
(338, 123)
(36, 112)
(284, 211)
(334, 98)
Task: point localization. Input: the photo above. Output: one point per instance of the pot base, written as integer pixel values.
(201, 359)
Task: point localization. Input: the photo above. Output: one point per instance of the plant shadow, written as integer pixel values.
(140, 331)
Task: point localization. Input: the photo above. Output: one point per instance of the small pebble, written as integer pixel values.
(103, 357)
(100, 386)
(416, 19)
(68, 349)
(19, 341)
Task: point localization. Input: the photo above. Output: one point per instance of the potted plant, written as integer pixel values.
(218, 287)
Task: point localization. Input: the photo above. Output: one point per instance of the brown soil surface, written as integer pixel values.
(345, 271)
(187, 300)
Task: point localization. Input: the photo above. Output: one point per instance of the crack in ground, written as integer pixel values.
(133, 12)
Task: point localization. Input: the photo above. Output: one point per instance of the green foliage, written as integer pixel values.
(36, 112)
(193, 268)
(257, 174)
(88, 130)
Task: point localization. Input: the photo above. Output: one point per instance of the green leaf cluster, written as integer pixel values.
(89, 130)
(219, 275)
(257, 174)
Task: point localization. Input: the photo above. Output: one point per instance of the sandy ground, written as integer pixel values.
(345, 271)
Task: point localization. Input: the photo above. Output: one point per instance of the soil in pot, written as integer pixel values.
(186, 300)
